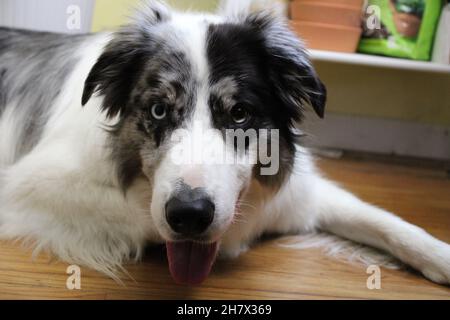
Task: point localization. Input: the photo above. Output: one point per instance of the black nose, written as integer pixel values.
(189, 217)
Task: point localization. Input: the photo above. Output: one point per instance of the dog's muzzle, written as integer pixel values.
(189, 213)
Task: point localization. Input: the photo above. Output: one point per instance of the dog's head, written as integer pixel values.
(199, 100)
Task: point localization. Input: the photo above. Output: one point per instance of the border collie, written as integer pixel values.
(98, 136)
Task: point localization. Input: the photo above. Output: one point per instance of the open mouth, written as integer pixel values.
(190, 262)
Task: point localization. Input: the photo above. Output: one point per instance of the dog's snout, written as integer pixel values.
(189, 217)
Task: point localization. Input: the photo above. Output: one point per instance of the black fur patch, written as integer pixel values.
(273, 79)
(290, 70)
(117, 71)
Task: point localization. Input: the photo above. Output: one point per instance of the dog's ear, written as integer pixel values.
(118, 67)
(290, 69)
(114, 75)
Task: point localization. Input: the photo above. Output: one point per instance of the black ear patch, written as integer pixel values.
(119, 66)
(290, 69)
(318, 98)
(114, 75)
(297, 83)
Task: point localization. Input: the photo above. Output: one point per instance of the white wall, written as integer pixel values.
(385, 136)
(67, 16)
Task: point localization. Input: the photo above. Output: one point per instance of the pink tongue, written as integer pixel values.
(190, 262)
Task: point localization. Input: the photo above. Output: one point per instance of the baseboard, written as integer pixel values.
(385, 136)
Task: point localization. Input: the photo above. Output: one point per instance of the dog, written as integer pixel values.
(94, 129)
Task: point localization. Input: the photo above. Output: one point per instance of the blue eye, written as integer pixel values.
(159, 111)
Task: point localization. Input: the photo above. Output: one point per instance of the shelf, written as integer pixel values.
(378, 61)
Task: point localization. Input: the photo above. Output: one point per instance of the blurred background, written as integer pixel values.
(385, 63)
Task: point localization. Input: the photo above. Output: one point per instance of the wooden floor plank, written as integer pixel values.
(268, 271)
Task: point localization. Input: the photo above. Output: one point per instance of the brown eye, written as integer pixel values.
(239, 114)
(158, 111)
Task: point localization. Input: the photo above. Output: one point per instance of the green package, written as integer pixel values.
(404, 29)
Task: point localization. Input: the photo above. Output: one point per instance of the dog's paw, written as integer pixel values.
(437, 274)
(232, 251)
(437, 277)
(437, 269)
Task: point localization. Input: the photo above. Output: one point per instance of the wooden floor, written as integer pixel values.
(420, 195)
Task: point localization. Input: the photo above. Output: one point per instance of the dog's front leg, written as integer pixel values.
(60, 201)
(339, 212)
